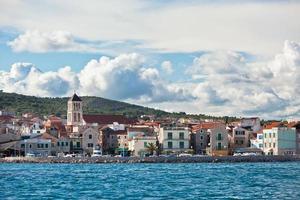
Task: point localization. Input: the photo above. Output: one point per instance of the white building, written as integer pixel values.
(174, 139)
(37, 146)
(138, 145)
(279, 140)
(258, 142)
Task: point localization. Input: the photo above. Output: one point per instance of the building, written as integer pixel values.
(74, 113)
(258, 140)
(36, 146)
(251, 124)
(199, 139)
(174, 139)
(240, 138)
(113, 141)
(90, 140)
(279, 139)
(138, 145)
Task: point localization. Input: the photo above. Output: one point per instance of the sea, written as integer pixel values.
(151, 181)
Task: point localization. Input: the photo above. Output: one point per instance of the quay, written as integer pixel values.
(202, 159)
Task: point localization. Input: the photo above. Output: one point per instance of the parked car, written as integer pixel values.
(96, 153)
(30, 155)
(185, 155)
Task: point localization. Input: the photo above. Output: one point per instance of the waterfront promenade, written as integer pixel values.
(160, 159)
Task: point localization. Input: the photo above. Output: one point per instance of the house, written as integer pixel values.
(138, 145)
(199, 139)
(174, 139)
(257, 141)
(279, 139)
(90, 140)
(251, 124)
(239, 138)
(113, 141)
(37, 146)
(296, 125)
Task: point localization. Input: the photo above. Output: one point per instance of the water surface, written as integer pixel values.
(151, 181)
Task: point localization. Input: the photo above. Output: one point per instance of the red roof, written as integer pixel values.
(206, 125)
(273, 125)
(107, 119)
(5, 118)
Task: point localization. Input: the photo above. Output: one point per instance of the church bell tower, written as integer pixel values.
(74, 115)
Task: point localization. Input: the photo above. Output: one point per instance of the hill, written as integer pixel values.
(91, 105)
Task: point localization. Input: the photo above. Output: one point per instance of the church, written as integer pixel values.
(84, 130)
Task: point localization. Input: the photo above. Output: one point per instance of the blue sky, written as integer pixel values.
(215, 57)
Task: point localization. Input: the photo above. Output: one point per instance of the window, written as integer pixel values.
(270, 135)
(170, 135)
(170, 145)
(274, 145)
(265, 135)
(274, 135)
(265, 144)
(219, 146)
(201, 144)
(58, 144)
(90, 145)
(181, 136)
(30, 146)
(219, 136)
(181, 145)
(38, 131)
(242, 141)
(22, 145)
(67, 143)
(201, 137)
(260, 137)
(46, 146)
(62, 144)
(90, 136)
(78, 144)
(145, 144)
(270, 145)
(260, 145)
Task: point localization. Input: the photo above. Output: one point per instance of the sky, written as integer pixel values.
(233, 57)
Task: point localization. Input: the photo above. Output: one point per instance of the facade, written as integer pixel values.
(279, 140)
(251, 124)
(113, 141)
(138, 145)
(174, 139)
(199, 140)
(37, 146)
(258, 141)
(90, 140)
(218, 140)
(240, 138)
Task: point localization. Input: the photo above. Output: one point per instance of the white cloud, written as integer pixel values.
(229, 84)
(167, 67)
(41, 42)
(249, 26)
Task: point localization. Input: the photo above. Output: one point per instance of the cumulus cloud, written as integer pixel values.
(239, 87)
(167, 67)
(221, 83)
(124, 77)
(25, 78)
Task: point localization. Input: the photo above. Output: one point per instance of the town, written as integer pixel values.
(87, 135)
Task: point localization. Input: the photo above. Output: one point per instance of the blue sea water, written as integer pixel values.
(151, 181)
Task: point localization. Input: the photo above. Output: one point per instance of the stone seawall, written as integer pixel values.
(204, 159)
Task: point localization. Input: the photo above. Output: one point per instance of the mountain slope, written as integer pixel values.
(44, 105)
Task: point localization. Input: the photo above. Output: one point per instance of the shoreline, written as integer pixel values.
(204, 159)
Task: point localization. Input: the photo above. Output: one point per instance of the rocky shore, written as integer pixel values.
(204, 159)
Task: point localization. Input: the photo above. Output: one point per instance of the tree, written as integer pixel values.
(151, 147)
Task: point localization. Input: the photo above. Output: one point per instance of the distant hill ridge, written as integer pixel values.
(19, 104)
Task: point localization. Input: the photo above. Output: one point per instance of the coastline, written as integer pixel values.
(204, 159)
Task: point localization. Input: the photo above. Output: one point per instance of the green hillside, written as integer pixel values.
(91, 105)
